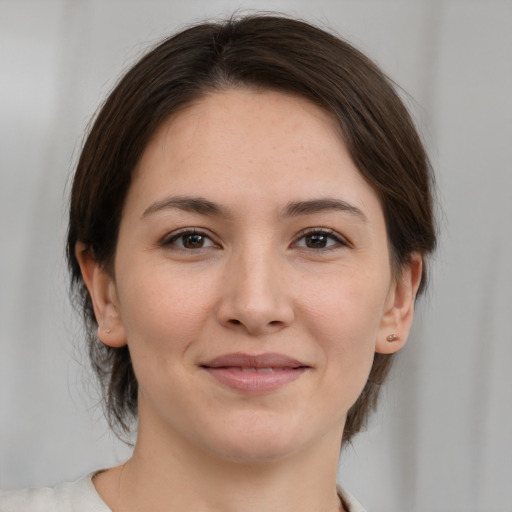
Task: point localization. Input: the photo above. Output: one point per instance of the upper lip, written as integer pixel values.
(240, 360)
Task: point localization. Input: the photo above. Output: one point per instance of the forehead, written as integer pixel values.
(250, 145)
(249, 119)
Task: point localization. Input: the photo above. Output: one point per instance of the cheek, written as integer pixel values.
(345, 322)
(164, 311)
(349, 309)
(162, 321)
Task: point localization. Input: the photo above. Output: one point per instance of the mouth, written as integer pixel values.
(254, 374)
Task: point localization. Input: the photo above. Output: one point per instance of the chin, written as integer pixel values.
(258, 443)
(255, 451)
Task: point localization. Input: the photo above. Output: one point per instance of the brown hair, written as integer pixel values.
(264, 52)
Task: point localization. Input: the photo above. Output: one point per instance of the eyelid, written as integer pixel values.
(169, 238)
(340, 239)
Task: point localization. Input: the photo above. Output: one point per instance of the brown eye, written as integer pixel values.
(320, 239)
(194, 241)
(316, 241)
(190, 240)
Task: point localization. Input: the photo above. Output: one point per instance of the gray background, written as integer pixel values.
(441, 440)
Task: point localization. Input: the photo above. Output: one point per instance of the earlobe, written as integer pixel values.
(398, 315)
(102, 290)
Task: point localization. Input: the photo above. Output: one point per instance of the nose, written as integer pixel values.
(256, 297)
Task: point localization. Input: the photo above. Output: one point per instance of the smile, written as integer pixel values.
(254, 374)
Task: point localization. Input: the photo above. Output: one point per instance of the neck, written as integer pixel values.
(167, 475)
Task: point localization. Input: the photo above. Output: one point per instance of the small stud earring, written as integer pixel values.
(108, 331)
(392, 337)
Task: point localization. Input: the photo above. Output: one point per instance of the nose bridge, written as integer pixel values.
(258, 273)
(256, 296)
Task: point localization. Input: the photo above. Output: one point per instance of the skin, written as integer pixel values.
(252, 282)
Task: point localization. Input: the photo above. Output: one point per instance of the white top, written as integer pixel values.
(81, 496)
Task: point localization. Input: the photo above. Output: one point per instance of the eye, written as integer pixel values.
(190, 240)
(320, 239)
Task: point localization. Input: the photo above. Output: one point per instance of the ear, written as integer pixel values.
(399, 310)
(103, 294)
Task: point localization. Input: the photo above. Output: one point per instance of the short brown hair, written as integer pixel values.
(263, 52)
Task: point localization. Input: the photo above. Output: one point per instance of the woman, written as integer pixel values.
(249, 225)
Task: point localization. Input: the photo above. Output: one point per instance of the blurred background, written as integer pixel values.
(442, 438)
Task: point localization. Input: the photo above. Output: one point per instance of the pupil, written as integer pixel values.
(316, 241)
(193, 241)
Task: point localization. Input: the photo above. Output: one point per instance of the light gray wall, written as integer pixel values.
(442, 438)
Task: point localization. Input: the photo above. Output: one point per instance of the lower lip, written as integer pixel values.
(255, 382)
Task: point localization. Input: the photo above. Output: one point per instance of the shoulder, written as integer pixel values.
(349, 502)
(79, 496)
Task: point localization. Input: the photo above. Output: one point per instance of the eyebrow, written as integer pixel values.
(188, 204)
(321, 205)
(203, 206)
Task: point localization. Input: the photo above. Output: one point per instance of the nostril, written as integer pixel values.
(234, 321)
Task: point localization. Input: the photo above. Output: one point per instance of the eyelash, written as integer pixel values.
(184, 233)
(322, 232)
(328, 233)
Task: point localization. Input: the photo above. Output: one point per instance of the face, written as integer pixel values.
(252, 278)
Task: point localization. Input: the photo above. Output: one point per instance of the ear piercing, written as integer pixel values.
(108, 331)
(391, 337)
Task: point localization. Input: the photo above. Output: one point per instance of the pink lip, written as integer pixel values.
(255, 373)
